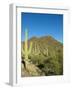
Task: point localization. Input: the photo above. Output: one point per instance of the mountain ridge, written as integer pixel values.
(43, 37)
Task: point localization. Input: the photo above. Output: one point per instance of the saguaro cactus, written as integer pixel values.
(27, 50)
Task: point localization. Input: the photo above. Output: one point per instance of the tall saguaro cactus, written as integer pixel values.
(27, 50)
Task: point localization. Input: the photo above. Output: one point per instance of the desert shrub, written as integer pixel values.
(41, 66)
(37, 59)
(52, 66)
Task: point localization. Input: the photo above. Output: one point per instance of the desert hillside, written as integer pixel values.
(45, 58)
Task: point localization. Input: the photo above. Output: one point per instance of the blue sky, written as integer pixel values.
(42, 25)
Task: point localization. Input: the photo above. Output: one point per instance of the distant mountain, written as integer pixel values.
(46, 54)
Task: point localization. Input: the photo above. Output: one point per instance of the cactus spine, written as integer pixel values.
(26, 50)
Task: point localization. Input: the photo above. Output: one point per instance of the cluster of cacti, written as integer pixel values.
(36, 49)
(27, 50)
